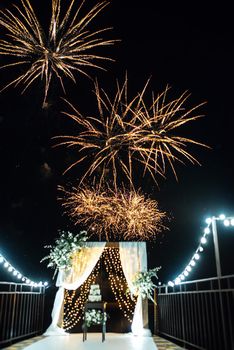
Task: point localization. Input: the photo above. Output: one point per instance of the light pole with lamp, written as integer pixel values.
(227, 222)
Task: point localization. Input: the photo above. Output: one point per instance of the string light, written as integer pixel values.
(227, 221)
(118, 282)
(75, 300)
(18, 275)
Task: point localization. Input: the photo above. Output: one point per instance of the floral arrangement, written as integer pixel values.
(60, 256)
(94, 316)
(143, 284)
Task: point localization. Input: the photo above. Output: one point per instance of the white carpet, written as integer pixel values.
(114, 341)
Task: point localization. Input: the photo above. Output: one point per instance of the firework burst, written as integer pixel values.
(65, 50)
(112, 214)
(126, 131)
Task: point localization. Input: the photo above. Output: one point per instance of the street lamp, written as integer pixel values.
(229, 221)
(216, 245)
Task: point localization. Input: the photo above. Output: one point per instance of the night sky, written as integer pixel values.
(189, 48)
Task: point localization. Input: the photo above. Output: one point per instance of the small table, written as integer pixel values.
(98, 306)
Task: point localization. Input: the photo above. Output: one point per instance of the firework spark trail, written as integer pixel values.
(110, 214)
(67, 48)
(125, 132)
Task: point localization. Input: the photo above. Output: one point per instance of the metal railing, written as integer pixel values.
(197, 314)
(21, 311)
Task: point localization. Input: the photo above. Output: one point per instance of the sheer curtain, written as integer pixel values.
(133, 258)
(83, 264)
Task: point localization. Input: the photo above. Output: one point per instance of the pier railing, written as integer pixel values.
(197, 314)
(21, 311)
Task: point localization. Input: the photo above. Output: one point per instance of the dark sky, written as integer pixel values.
(189, 48)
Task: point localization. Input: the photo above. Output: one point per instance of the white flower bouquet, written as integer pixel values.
(60, 256)
(143, 284)
(94, 317)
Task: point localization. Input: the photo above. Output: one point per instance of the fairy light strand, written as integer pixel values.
(15, 273)
(227, 221)
(73, 304)
(118, 282)
(74, 300)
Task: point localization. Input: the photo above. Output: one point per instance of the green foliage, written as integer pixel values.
(143, 284)
(60, 256)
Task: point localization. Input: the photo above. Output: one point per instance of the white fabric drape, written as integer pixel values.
(133, 258)
(83, 264)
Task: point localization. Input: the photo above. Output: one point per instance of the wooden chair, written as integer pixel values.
(98, 306)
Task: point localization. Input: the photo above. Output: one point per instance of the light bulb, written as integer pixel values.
(186, 273)
(201, 249)
(170, 284)
(192, 262)
(222, 216)
(177, 281)
(232, 222)
(6, 264)
(10, 268)
(1, 259)
(15, 272)
(196, 256)
(226, 222)
(207, 230)
(203, 240)
(182, 277)
(208, 221)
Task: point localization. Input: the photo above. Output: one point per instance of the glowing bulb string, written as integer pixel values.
(118, 282)
(227, 221)
(74, 300)
(18, 275)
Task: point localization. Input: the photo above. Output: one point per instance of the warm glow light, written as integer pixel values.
(127, 132)
(74, 300)
(65, 50)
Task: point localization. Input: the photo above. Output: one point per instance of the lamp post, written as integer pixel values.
(227, 221)
(216, 246)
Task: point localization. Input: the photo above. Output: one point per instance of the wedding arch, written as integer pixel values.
(133, 257)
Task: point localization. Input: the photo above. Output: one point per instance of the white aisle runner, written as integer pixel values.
(114, 341)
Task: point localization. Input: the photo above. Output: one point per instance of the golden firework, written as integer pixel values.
(126, 131)
(66, 49)
(113, 215)
(139, 217)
